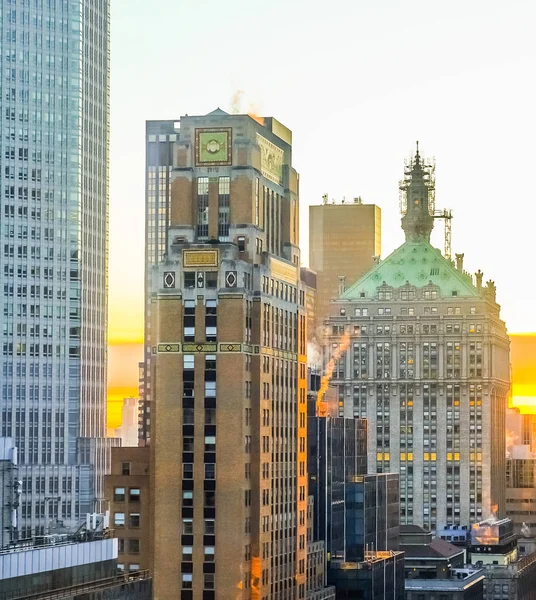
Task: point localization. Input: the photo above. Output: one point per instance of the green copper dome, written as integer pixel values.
(418, 264)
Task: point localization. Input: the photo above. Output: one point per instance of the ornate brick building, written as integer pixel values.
(228, 369)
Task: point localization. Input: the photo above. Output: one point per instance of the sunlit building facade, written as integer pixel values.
(428, 366)
(228, 369)
(53, 260)
(344, 242)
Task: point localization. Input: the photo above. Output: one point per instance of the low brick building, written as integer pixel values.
(127, 489)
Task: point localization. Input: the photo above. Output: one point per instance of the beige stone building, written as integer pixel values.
(428, 366)
(344, 240)
(228, 369)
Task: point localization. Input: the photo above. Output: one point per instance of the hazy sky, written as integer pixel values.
(357, 82)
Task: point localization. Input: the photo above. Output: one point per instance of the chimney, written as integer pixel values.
(342, 284)
(479, 275)
(459, 262)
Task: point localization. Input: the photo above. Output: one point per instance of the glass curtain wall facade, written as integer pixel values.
(337, 451)
(54, 88)
(160, 141)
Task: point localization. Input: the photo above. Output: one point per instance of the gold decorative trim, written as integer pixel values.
(200, 348)
(200, 258)
(272, 159)
(230, 347)
(278, 353)
(230, 296)
(166, 348)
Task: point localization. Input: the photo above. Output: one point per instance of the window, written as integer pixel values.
(208, 581)
(133, 546)
(209, 527)
(120, 545)
(189, 279)
(187, 581)
(187, 527)
(210, 389)
(125, 468)
(202, 207)
(223, 208)
(187, 444)
(120, 567)
(187, 553)
(119, 519)
(188, 471)
(211, 279)
(210, 471)
(119, 494)
(134, 495)
(210, 416)
(241, 241)
(209, 497)
(209, 554)
(210, 443)
(134, 520)
(132, 567)
(187, 498)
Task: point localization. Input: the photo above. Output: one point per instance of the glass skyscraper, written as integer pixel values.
(54, 90)
(160, 141)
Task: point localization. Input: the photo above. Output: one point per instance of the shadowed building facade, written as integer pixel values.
(428, 366)
(160, 139)
(228, 369)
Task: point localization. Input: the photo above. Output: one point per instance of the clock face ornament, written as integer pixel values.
(213, 147)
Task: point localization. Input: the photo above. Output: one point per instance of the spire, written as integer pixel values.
(417, 219)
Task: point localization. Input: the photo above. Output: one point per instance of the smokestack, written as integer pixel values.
(342, 284)
(459, 262)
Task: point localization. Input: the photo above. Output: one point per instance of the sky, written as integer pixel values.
(358, 82)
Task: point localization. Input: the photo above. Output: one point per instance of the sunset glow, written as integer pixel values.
(123, 359)
(523, 359)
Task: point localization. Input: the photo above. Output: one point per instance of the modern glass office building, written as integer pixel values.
(54, 90)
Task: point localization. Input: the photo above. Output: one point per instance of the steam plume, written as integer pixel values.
(321, 407)
(236, 101)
